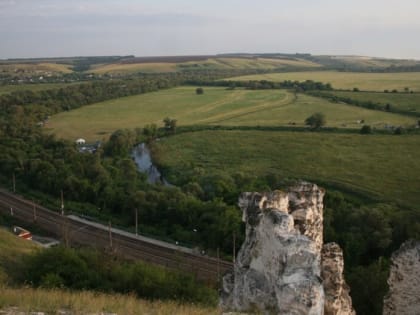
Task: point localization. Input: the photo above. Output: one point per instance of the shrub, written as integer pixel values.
(366, 129)
(316, 120)
(88, 269)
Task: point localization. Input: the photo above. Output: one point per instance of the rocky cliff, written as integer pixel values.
(404, 281)
(336, 290)
(278, 268)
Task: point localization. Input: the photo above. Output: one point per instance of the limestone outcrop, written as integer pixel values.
(336, 290)
(278, 268)
(404, 281)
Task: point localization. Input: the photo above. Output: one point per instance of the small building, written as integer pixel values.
(80, 141)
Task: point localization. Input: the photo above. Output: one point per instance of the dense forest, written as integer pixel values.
(201, 209)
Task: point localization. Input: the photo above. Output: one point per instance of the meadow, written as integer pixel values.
(34, 68)
(30, 301)
(348, 80)
(381, 166)
(217, 106)
(219, 63)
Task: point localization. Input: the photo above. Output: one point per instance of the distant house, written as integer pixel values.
(80, 141)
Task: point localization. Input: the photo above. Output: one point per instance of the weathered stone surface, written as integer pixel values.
(337, 298)
(404, 281)
(278, 267)
(307, 208)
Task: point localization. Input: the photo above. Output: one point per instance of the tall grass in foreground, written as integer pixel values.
(85, 302)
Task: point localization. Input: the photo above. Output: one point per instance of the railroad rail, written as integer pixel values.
(75, 230)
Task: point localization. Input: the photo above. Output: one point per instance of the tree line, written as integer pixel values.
(365, 104)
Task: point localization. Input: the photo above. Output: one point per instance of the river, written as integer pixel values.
(141, 155)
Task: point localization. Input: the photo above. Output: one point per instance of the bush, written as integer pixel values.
(399, 131)
(365, 130)
(62, 267)
(199, 91)
(316, 120)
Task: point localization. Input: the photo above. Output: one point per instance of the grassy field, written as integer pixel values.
(12, 251)
(51, 301)
(35, 68)
(348, 80)
(400, 101)
(217, 106)
(384, 166)
(210, 63)
(121, 68)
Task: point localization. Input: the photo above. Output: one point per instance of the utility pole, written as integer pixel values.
(137, 223)
(234, 246)
(66, 232)
(218, 265)
(62, 203)
(110, 235)
(34, 206)
(14, 182)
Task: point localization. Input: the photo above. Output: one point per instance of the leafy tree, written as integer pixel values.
(170, 125)
(371, 284)
(316, 120)
(399, 131)
(365, 130)
(120, 142)
(150, 132)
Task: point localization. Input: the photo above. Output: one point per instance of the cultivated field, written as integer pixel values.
(121, 68)
(217, 106)
(34, 68)
(348, 80)
(219, 63)
(385, 166)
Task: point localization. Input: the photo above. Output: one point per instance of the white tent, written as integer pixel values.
(80, 141)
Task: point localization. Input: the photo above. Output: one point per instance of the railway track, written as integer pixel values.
(75, 230)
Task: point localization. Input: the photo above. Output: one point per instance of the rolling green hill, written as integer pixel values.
(217, 106)
(348, 80)
(211, 63)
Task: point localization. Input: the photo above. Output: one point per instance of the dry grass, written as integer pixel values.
(348, 80)
(211, 63)
(50, 301)
(135, 67)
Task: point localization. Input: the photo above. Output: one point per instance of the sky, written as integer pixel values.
(64, 28)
